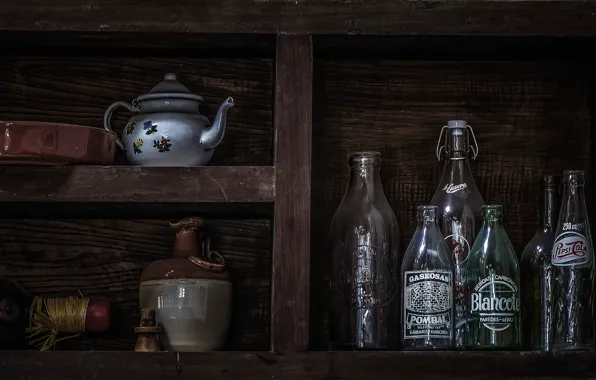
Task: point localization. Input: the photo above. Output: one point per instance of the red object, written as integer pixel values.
(98, 315)
(41, 143)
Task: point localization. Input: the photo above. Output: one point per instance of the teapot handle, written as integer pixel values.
(107, 118)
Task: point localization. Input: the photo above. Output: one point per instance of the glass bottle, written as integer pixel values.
(427, 280)
(493, 287)
(537, 274)
(459, 203)
(573, 261)
(364, 280)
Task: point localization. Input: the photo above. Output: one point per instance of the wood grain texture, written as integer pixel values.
(291, 228)
(140, 210)
(451, 17)
(106, 257)
(137, 184)
(530, 119)
(456, 48)
(77, 89)
(300, 366)
(139, 43)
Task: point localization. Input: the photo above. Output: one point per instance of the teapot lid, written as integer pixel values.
(170, 88)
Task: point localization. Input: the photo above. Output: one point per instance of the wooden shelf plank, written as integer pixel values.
(135, 184)
(66, 365)
(420, 17)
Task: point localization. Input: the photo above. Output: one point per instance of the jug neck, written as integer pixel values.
(186, 244)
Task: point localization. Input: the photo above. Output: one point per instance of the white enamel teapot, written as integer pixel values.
(168, 129)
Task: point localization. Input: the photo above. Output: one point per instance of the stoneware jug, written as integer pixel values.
(168, 129)
(190, 292)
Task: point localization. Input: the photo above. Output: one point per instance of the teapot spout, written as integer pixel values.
(211, 137)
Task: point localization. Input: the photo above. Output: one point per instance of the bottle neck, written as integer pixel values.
(428, 224)
(365, 180)
(428, 217)
(457, 167)
(574, 207)
(492, 218)
(549, 209)
(457, 145)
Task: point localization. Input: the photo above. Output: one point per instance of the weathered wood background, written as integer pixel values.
(530, 119)
(419, 17)
(105, 257)
(78, 89)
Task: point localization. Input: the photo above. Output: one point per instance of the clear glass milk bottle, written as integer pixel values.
(493, 287)
(537, 274)
(459, 203)
(573, 261)
(427, 281)
(364, 245)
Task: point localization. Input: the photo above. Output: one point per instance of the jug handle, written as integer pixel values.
(107, 117)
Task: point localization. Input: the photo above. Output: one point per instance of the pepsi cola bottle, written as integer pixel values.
(573, 263)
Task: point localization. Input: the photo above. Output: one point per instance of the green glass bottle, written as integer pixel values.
(493, 287)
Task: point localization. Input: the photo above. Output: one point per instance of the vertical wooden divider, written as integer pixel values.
(291, 224)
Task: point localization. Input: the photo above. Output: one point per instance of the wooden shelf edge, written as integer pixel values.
(136, 184)
(20, 365)
(422, 17)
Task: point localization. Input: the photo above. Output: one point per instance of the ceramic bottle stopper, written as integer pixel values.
(148, 332)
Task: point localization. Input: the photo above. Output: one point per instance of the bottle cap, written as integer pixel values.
(550, 180)
(364, 158)
(460, 124)
(456, 127)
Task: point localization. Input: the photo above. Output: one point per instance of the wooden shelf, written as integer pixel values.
(135, 184)
(422, 17)
(63, 365)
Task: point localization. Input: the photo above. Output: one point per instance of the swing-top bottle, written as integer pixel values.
(459, 203)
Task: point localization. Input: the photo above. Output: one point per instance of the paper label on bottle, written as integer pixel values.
(428, 304)
(571, 248)
(495, 301)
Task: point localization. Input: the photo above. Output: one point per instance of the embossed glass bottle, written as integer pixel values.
(459, 203)
(427, 280)
(493, 287)
(537, 274)
(573, 262)
(364, 280)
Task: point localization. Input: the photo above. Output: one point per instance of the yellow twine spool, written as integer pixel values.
(50, 316)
